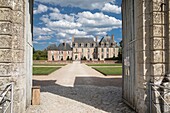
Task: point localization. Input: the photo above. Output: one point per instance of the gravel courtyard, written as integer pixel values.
(77, 88)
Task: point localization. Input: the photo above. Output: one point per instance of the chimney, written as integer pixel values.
(96, 39)
(112, 38)
(73, 38)
(65, 44)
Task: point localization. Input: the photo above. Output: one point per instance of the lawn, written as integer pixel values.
(109, 70)
(49, 64)
(104, 64)
(44, 70)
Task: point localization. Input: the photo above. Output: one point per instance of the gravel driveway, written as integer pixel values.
(77, 88)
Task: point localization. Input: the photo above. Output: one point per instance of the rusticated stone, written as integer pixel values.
(17, 69)
(17, 43)
(5, 55)
(5, 69)
(5, 28)
(17, 30)
(158, 43)
(18, 5)
(5, 14)
(5, 41)
(158, 69)
(6, 3)
(158, 30)
(18, 55)
(158, 57)
(158, 17)
(18, 17)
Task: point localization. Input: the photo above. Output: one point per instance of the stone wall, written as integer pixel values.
(13, 48)
(146, 38)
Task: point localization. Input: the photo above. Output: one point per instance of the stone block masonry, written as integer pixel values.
(146, 46)
(14, 33)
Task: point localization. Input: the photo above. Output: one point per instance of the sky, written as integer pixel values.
(57, 21)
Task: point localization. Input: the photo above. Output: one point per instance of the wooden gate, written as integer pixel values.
(129, 56)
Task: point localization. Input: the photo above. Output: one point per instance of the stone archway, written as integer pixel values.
(16, 49)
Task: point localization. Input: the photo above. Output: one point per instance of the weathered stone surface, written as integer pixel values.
(158, 69)
(5, 41)
(158, 57)
(158, 30)
(6, 3)
(158, 43)
(5, 14)
(18, 17)
(5, 69)
(17, 30)
(5, 55)
(18, 55)
(5, 28)
(17, 43)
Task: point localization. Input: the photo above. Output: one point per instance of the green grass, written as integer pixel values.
(104, 64)
(109, 70)
(44, 70)
(49, 64)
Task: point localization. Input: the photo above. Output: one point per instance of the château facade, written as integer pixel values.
(83, 48)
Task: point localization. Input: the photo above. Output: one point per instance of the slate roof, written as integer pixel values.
(64, 47)
(61, 47)
(83, 40)
(52, 47)
(105, 40)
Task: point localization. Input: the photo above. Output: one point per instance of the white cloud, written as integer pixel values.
(41, 8)
(63, 24)
(35, 42)
(56, 10)
(98, 20)
(59, 16)
(42, 31)
(84, 4)
(43, 38)
(111, 8)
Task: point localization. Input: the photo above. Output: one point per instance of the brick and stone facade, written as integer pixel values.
(84, 48)
(16, 50)
(145, 49)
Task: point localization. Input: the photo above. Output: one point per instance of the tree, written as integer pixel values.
(121, 43)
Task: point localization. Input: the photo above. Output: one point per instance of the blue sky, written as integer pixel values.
(56, 21)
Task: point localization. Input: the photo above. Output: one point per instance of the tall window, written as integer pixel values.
(107, 55)
(89, 50)
(102, 50)
(107, 49)
(102, 56)
(82, 50)
(88, 56)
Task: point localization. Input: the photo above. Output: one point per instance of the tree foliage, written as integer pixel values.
(40, 54)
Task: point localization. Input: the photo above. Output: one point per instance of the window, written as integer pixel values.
(89, 50)
(107, 55)
(88, 56)
(107, 49)
(76, 50)
(102, 56)
(102, 50)
(82, 50)
(92, 45)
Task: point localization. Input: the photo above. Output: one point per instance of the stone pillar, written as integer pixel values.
(12, 49)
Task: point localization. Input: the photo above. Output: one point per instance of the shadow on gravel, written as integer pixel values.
(97, 92)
